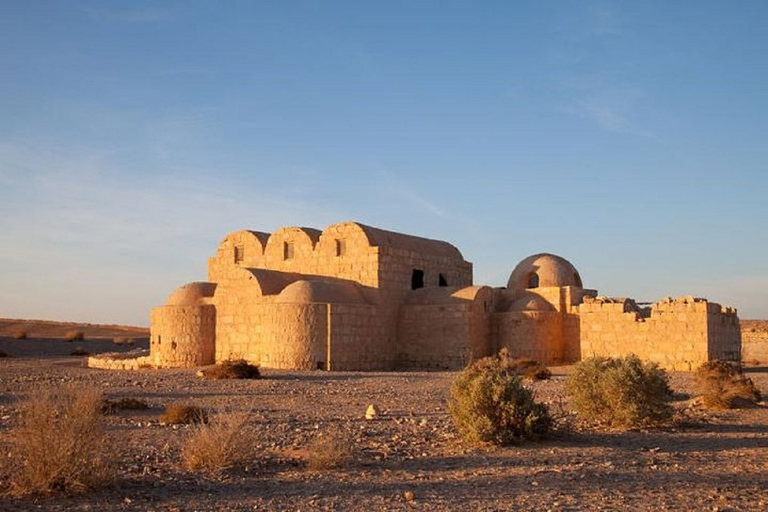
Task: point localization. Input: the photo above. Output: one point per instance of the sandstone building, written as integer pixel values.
(354, 297)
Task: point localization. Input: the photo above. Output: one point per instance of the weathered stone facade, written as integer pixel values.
(353, 297)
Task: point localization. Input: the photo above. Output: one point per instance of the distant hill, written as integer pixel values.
(10, 327)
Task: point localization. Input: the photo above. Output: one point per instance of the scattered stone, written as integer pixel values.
(371, 413)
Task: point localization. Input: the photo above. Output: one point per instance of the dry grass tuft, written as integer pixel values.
(223, 444)
(183, 414)
(239, 369)
(20, 334)
(59, 444)
(330, 450)
(125, 403)
(121, 341)
(722, 385)
(75, 335)
(620, 392)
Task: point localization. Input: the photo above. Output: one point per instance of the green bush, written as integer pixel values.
(620, 392)
(489, 404)
(722, 385)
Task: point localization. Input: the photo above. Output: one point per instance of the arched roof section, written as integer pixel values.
(271, 282)
(381, 238)
(191, 294)
(446, 295)
(308, 291)
(302, 240)
(531, 302)
(544, 270)
(256, 238)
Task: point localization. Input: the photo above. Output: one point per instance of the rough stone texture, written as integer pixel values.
(754, 341)
(353, 297)
(679, 334)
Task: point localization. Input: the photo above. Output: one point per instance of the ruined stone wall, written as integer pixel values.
(754, 341)
(182, 336)
(679, 334)
(530, 334)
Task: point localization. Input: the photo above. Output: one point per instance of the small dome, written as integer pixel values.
(531, 302)
(308, 292)
(541, 270)
(191, 294)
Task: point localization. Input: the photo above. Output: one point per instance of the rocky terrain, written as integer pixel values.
(408, 458)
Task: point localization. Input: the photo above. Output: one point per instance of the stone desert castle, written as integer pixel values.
(354, 297)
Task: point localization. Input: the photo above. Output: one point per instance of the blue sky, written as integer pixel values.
(628, 137)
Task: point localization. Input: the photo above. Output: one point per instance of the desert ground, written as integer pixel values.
(408, 458)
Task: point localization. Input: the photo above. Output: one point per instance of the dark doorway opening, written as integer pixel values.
(417, 279)
(441, 280)
(533, 280)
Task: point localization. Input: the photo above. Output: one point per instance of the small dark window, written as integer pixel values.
(158, 339)
(341, 247)
(173, 345)
(417, 279)
(533, 280)
(577, 278)
(441, 281)
(239, 253)
(287, 250)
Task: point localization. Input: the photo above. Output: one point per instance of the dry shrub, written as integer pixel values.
(489, 404)
(620, 392)
(3, 353)
(722, 385)
(59, 444)
(120, 341)
(528, 368)
(74, 335)
(79, 351)
(222, 444)
(125, 403)
(239, 369)
(20, 334)
(183, 414)
(330, 450)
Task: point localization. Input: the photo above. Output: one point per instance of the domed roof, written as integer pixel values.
(531, 302)
(191, 294)
(318, 291)
(542, 270)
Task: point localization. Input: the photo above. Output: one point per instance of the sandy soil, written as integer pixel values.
(709, 461)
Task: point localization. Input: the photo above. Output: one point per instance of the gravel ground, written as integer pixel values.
(410, 456)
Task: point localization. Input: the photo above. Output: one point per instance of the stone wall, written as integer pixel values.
(678, 334)
(530, 334)
(754, 341)
(182, 336)
(359, 339)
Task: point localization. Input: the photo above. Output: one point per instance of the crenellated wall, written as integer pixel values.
(678, 334)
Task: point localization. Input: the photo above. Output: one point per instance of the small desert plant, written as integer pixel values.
(239, 369)
(74, 335)
(58, 443)
(329, 450)
(125, 403)
(222, 444)
(183, 414)
(489, 403)
(20, 334)
(620, 392)
(79, 351)
(722, 385)
(120, 341)
(528, 368)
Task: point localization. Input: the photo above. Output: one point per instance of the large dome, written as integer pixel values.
(542, 270)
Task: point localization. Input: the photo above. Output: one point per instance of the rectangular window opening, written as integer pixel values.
(239, 253)
(417, 279)
(287, 250)
(341, 247)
